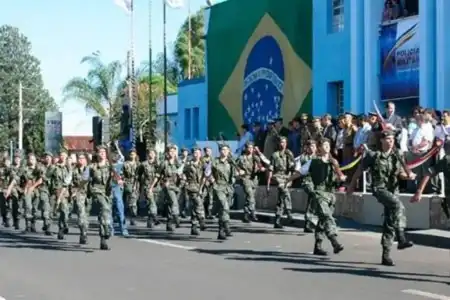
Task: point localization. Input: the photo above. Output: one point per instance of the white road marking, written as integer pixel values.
(164, 244)
(426, 294)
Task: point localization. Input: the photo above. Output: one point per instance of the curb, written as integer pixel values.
(422, 237)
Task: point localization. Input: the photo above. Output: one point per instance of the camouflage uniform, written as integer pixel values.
(100, 190)
(249, 164)
(193, 174)
(282, 163)
(16, 196)
(169, 176)
(5, 204)
(183, 198)
(385, 169)
(308, 187)
(130, 191)
(207, 194)
(223, 173)
(60, 181)
(31, 199)
(44, 197)
(147, 173)
(79, 191)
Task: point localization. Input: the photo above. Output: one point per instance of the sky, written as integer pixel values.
(62, 32)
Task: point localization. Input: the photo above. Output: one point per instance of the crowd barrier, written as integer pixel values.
(359, 207)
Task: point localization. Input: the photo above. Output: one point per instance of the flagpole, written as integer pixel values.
(133, 102)
(166, 129)
(150, 75)
(189, 39)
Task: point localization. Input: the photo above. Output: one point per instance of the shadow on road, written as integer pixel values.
(317, 264)
(26, 241)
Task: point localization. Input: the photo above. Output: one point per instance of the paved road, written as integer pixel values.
(257, 263)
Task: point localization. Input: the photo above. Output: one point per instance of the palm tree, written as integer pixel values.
(98, 90)
(196, 55)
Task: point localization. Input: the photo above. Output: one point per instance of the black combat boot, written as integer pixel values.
(277, 224)
(33, 226)
(169, 226)
(66, 229)
(132, 222)
(27, 226)
(308, 227)
(202, 224)
(403, 243)
(227, 229)
(386, 259)
(337, 247)
(253, 217)
(194, 230)
(104, 243)
(61, 234)
(176, 221)
(83, 238)
(222, 234)
(150, 222)
(318, 249)
(16, 224)
(289, 217)
(246, 218)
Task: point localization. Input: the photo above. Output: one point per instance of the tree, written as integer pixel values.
(196, 55)
(17, 64)
(142, 111)
(173, 71)
(98, 90)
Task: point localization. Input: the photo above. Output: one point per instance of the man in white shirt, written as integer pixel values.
(421, 140)
(362, 135)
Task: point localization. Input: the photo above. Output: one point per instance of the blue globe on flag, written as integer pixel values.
(263, 82)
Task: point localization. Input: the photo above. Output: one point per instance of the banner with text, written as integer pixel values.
(53, 131)
(399, 47)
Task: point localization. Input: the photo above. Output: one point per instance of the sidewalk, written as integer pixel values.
(431, 237)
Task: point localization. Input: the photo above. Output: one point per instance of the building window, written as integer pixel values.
(196, 122)
(337, 15)
(187, 124)
(339, 97)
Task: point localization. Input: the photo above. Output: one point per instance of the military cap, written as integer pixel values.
(222, 146)
(387, 133)
(171, 146)
(362, 116)
(248, 144)
(133, 150)
(100, 147)
(311, 142)
(283, 138)
(206, 148)
(373, 114)
(304, 116)
(195, 149)
(270, 121)
(17, 154)
(279, 120)
(316, 118)
(350, 114)
(48, 153)
(184, 149)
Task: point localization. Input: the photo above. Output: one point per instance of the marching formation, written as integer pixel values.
(203, 187)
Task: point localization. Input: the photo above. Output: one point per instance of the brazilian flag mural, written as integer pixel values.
(259, 60)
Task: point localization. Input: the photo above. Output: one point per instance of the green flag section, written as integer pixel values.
(259, 60)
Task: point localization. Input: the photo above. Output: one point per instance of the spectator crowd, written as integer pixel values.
(397, 9)
(415, 135)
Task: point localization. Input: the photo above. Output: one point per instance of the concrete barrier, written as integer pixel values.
(361, 208)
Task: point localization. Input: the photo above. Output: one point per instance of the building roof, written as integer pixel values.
(78, 143)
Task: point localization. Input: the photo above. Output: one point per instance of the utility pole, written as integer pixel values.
(20, 133)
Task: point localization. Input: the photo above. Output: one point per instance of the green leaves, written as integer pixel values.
(18, 64)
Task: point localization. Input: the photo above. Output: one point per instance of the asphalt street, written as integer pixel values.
(257, 263)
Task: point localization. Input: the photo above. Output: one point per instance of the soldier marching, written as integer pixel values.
(202, 186)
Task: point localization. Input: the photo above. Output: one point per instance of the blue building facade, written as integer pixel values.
(192, 112)
(359, 59)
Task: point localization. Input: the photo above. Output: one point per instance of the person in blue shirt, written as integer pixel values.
(117, 161)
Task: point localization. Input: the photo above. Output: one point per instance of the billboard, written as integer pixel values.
(53, 131)
(399, 47)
